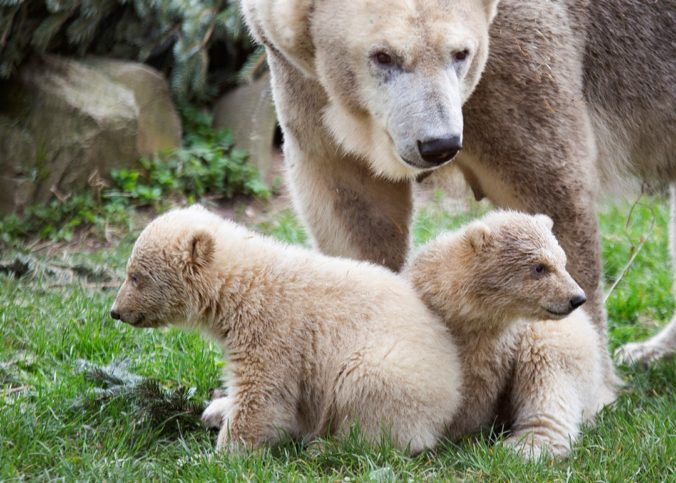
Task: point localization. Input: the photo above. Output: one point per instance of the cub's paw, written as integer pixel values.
(217, 412)
(532, 448)
(229, 442)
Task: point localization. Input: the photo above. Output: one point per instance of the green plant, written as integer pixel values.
(59, 219)
(207, 165)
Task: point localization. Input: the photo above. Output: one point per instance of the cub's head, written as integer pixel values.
(504, 267)
(396, 72)
(166, 270)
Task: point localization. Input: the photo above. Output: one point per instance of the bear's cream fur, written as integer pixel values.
(314, 343)
(551, 102)
(502, 288)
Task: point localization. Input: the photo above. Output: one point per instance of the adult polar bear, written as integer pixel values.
(373, 93)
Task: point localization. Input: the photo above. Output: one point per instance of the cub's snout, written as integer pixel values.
(127, 314)
(563, 308)
(577, 301)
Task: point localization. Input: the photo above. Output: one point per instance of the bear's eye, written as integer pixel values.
(461, 55)
(382, 58)
(540, 270)
(134, 279)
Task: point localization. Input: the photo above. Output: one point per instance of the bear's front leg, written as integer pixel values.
(349, 211)
(558, 384)
(217, 412)
(530, 143)
(252, 415)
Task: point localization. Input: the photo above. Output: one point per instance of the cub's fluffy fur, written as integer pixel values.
(502, 288)
(314, 343)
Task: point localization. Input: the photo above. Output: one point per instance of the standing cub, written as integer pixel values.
(486, 281)
(315, 343)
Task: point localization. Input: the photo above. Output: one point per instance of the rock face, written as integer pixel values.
(250, 113)
(63, 121)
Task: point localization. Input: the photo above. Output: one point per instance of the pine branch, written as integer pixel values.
(169, 410)
(255, 65)
(175, 36)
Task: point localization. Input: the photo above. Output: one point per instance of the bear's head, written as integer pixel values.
(167, 270)
(396, 72)
(504, 267)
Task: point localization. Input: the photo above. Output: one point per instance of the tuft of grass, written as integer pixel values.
(643, 299)
(285, 227)
(46, 328)
(432, 219)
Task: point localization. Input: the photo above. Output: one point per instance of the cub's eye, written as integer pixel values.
(539, 270)
(134, 279)
(382, 58)
(461, 55)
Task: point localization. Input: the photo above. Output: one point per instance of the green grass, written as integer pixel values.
(45, 434)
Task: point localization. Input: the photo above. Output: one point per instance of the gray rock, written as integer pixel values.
(159, 126)
(250, 113)
(17, 177)
(65, 121)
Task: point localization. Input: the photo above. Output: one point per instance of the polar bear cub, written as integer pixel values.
(314, 343)
(529, 358)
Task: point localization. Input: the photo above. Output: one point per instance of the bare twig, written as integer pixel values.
(86, 285)
(12, 390)
(638, 248)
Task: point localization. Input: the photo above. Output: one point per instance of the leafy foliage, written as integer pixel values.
(60, 219)
(176, 36)
(208, 165)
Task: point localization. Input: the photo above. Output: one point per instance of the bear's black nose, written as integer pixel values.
(439, 150)
(576, 301)
(115, 315)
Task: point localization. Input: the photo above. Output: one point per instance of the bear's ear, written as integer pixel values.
(284, 25)
(199, 249)
(491, 7)
(545, 221)
(478, 235)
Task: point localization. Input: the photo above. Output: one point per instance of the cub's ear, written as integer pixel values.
(491, 7)
(199, 249)
(284, 25)
(478, 234)
(545, 220)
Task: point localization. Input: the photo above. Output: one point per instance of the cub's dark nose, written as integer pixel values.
(439, 150)
(576, 301)
(115, 315)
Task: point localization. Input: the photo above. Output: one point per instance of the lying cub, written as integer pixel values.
(501, 286)
(314, 343)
